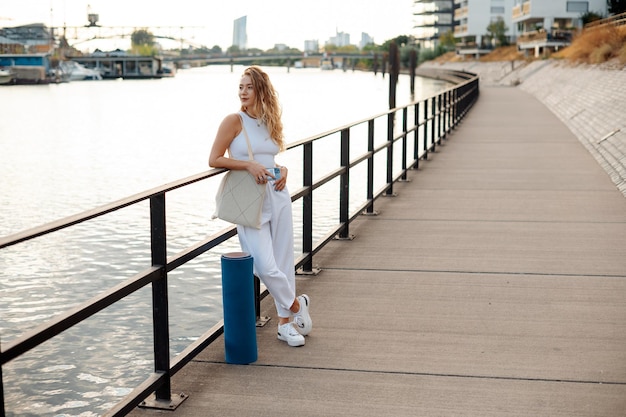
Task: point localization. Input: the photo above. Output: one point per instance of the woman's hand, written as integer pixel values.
(281, 183)
(258, 171)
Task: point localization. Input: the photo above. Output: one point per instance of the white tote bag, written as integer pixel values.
(239, 198)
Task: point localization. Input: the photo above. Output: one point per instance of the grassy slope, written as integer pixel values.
(591, 46)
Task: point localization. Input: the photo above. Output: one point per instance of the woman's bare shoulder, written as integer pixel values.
(231, 123)
(233, 118)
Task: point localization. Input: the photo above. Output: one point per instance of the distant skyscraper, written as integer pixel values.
(240, 36)
(366, 39)
(340, 39)
(311, 46)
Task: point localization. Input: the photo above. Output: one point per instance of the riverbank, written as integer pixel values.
(589, 99)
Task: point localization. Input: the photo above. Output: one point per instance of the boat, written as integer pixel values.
(119, 64)
(78, 72)
(168, 70)
(28, 68)
(326, 64)
(6, 76)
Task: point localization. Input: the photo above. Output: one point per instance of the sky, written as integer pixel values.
(210, 22)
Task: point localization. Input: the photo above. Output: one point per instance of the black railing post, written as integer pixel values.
(456, 107)
(160, 320)
(439, 118)
(257, 299)
(370, 168)
(344, 186)
(426, 129)
(416, 135)
(307, 207)
(390, 125)
(2, 412)
(450, 109)
(445, 114)
(433, 122)
(405, 116)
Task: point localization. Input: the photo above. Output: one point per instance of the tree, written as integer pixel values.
(590, 17)
(399, 40)
(233, 50)
(497, 31)
(348, 49)
(142, 43)
(330, 47)
(616, 6)
(447, 40)
(142, 37)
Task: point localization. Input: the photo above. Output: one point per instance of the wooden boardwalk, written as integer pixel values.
(494, 284)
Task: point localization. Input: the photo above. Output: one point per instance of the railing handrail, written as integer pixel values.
(434, 117)
(615, 20)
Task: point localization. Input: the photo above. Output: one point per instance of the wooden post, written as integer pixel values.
(413, 64)
(385, 59)
(394, 70)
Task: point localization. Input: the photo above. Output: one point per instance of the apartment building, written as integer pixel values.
(431, 20)
(472, 17)
(547, 25)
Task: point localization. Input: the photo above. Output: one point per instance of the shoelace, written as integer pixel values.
(291, 330)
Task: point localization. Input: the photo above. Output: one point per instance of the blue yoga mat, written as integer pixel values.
(238, 303)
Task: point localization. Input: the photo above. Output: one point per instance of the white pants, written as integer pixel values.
(271, 248)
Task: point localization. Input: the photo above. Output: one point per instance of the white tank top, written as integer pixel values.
(263, 147)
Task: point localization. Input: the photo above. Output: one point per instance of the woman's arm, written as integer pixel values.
(226, 133)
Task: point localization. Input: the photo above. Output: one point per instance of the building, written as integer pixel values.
(473, 17)
(11, 46)
(312, 45)
(35, 38)
(240, 34)
(431, 20)
(340, 39)
(366, 39)
(546, 26)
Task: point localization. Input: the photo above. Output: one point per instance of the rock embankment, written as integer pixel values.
(589, 99)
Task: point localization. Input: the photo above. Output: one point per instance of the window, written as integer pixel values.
(497, 10)
(578, 6)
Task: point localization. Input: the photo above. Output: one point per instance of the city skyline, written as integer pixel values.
(272, 22)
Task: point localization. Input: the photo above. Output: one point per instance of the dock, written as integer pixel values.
(492, 284)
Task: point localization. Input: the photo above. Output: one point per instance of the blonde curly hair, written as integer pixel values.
(266, 105)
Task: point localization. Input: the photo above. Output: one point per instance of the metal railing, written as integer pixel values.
(423, 125)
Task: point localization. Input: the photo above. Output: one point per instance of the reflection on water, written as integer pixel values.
(72, 147)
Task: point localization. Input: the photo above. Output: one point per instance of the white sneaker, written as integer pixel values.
(288, 333)
(302, 319)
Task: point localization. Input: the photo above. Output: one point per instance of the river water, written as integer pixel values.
(72, 147)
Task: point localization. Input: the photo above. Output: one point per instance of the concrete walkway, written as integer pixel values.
(589, 99)
(494, 284)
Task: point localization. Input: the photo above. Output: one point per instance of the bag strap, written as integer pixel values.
(250, 155)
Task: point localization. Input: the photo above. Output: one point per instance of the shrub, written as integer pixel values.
(595, 45)
(600, 54)
(622, 54)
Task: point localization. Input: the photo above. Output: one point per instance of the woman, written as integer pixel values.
(271, 246)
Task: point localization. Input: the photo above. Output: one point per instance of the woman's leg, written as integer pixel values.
(258, 243)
